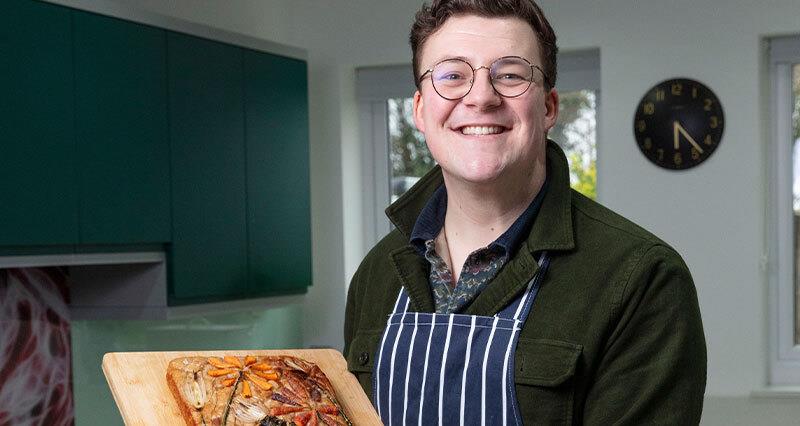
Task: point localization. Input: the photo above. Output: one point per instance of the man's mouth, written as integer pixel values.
(481, 130)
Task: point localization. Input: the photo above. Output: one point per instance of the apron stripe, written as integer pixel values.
(408, 367)
(444, 367)
(394, 355)
(425, 372)
(466, 368)
(505, 374)
(483, 372)
(522, 302)
(377, 390)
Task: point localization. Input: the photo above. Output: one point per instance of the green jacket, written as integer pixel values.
(614, 336)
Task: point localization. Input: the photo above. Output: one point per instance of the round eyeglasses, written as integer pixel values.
(510, 77)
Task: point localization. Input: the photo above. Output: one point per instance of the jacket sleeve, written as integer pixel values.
(351, 309)
(653, 369)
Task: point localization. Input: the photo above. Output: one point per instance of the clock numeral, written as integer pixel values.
(694, 92)
(695, 154)
(641, 126)
(677, 159)
(649, 108)
(648, 144)
(677, 89)
(713, 122)
(660, 154)
(708, 140)
(660, 94)
(707, 104)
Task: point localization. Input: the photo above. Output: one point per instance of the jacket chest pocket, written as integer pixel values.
(361, 358)
(544, 372)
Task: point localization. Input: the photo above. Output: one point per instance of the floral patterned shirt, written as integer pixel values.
(481, 266)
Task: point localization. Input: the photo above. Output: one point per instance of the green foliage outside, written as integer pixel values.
(576, 133)
(796, 113)
(408, 152)
(585, 179)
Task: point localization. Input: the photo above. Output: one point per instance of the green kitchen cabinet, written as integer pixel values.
(278, 200)
(37, 158)
(208, 254)
(122, 131)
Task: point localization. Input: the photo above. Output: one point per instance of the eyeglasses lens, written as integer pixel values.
(510, 77)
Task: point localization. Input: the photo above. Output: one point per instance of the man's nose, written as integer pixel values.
(482, 94)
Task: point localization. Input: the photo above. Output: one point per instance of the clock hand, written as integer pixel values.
(679, 128)
(675, 134)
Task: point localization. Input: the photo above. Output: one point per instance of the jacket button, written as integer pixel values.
(363, 358)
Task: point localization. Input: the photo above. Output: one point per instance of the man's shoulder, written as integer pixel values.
(591, 216)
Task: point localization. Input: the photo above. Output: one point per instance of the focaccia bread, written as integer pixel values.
(253, 390)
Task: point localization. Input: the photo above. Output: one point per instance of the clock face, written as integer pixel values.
(678, 123)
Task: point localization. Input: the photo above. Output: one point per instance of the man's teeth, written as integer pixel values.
(481, 130)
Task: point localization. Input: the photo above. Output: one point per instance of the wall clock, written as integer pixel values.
(678, 123)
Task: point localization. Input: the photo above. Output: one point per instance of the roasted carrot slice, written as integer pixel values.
(249, 359)
(220, 372)
(246, 389)
(269, 375)
(229, 382)
(217, 362)
(263, 384)
(261, 366)
(233, 360)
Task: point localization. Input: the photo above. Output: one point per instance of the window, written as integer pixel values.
(576, 133)
(784, 200)
(408, 155)
(388, 129)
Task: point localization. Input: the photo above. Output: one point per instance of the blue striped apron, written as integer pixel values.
(454, 368)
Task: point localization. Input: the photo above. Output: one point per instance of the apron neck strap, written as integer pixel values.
(521, 306)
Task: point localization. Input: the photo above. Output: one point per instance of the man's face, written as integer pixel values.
(456, 131)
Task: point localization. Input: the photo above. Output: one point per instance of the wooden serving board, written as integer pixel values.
(138, 383)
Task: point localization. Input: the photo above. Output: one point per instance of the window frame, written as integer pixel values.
(577, 70)
(784, 358)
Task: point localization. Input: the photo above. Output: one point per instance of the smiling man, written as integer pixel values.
(502, 296)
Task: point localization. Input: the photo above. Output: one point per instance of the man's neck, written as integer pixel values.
(478, 214)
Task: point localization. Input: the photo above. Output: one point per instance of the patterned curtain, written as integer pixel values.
(35, 358)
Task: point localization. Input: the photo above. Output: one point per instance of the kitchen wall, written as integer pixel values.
(713, 214)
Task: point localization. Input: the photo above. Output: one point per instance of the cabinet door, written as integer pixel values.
(209, 237)
(37, 171)
(121, 125)
(278, 206)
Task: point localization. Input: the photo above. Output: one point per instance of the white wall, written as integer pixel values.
(713, 214)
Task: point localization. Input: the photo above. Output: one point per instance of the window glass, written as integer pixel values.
(408, 155)
(576, 133)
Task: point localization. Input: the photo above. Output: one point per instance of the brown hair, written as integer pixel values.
(430, 18)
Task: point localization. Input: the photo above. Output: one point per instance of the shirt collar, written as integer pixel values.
(431, 219)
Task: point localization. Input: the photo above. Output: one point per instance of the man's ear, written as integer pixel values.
(418, 105)
(551, 109)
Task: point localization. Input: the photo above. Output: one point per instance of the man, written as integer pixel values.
(510, 298)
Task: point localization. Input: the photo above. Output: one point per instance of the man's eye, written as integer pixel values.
(453, 76)
(509, 77)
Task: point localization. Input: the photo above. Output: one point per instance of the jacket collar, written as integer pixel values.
(551, 231)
